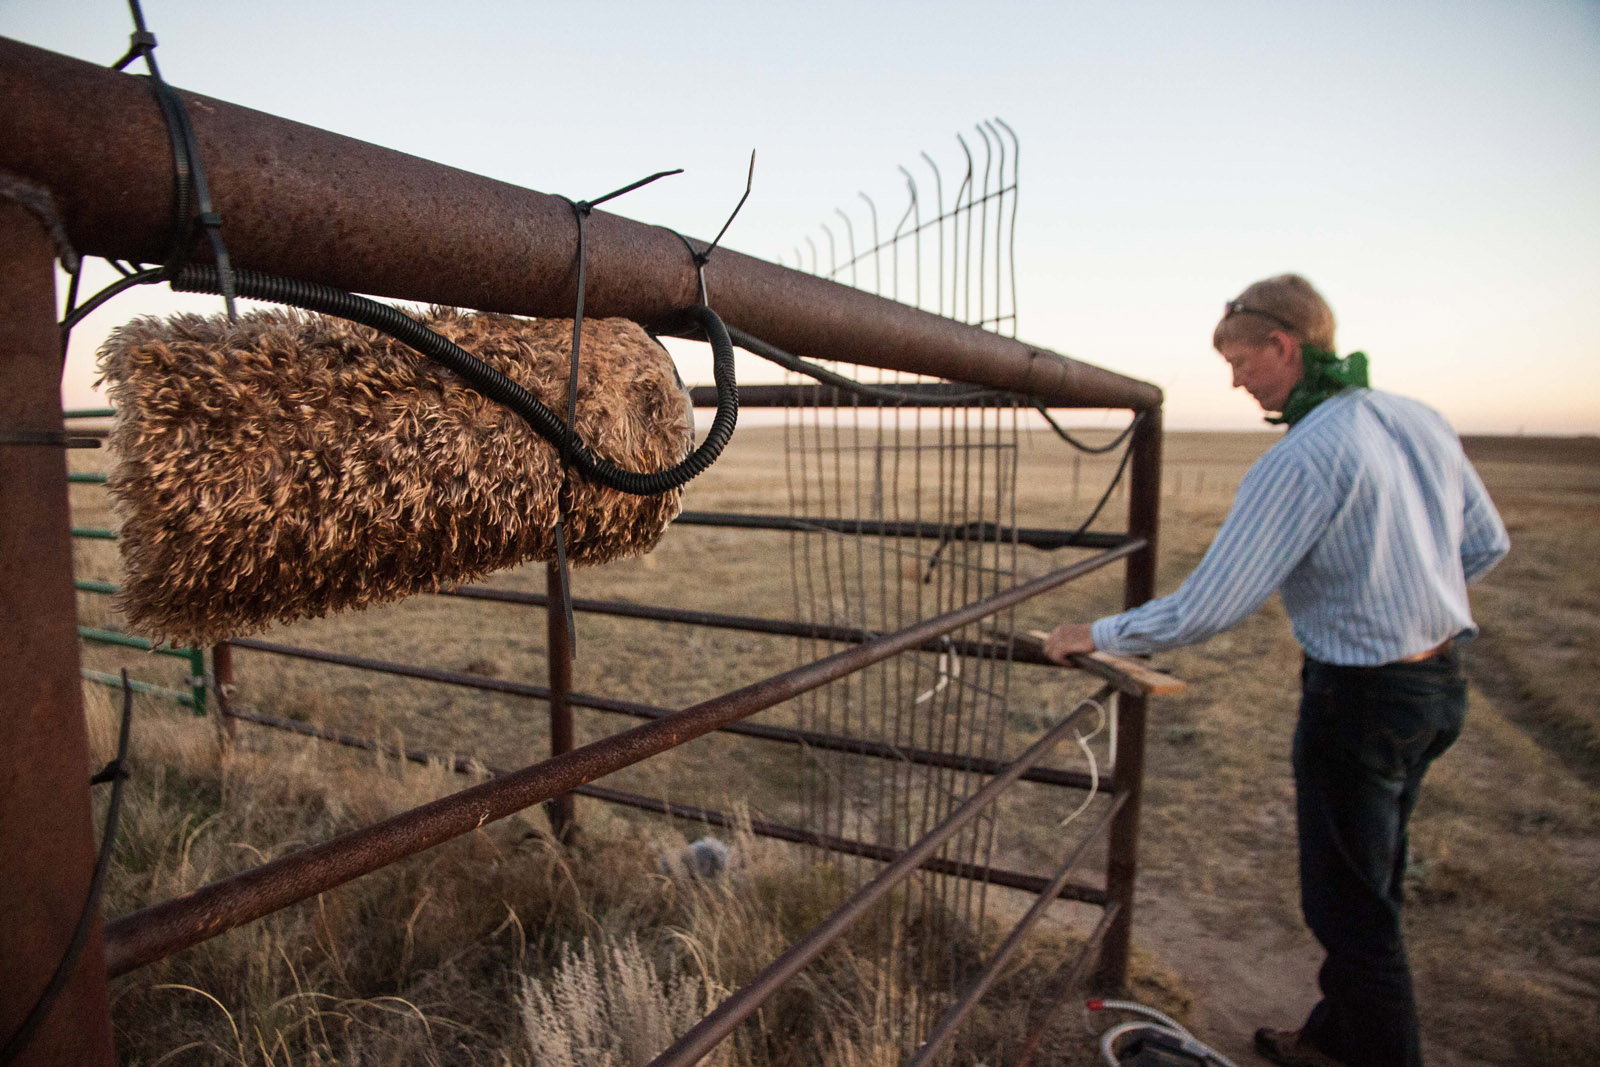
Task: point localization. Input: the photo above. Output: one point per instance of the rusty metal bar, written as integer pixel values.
(704, 1035)
(1031, 883)
(306, 203)
(47, 844)
(222, 679)
(855, 746)
(763, 731)
(558, 656)
(919, 394)
(931, 531)
(1021, 652)
(1069, 982)
(953, 1017)
(165, 928)
(366, 744)
(1144, 503)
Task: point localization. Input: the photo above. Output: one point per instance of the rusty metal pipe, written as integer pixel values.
(761, 731)
(47, 845)
(1031, 883)
(165, 928)
(986, 532)
(310, 204)
(928, 1052)
(1020, 653)
(856, 746)
(1069, 982)
(705, 1035)
(1122, 862)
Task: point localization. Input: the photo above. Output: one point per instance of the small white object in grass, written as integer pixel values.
(705, 858)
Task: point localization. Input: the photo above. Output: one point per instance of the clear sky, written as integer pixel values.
(1433, 167)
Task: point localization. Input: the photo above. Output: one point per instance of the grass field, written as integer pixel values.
(1504, 921)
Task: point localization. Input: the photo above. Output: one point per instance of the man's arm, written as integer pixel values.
(1484, 541)
(1279, 513)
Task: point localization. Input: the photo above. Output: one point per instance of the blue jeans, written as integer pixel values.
(1366, 737)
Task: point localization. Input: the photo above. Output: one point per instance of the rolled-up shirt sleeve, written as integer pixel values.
(1281, 509)
(1484, 541)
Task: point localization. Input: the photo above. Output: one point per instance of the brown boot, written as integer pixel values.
(1286, 1047)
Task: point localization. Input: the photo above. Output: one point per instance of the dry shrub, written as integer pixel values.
(292, 465)
(609, 1007)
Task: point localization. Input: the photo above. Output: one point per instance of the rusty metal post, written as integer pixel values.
(1144, 515)
(47, 845)
(559, 653)
(222, 685)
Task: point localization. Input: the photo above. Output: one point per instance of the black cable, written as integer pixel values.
(1116, 478)
(78, 314)
(199, 278)
(887, 393)
(1093, 450)
(18, 1042)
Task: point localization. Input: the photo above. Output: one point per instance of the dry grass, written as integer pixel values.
(1503, 924)
(501, 948)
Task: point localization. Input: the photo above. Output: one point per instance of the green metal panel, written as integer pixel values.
(115, 682)
(111, 637)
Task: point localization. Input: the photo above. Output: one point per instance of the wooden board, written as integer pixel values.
(1130, 676)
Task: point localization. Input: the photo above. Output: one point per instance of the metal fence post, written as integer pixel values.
(47, 845)
(222, 685)
(1144, 513)
(559, 652)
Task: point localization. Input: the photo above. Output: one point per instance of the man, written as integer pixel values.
(1371, 522)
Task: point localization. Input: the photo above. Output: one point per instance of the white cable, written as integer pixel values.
(1135, 1008)
(1164, 1025)
(1094, 767)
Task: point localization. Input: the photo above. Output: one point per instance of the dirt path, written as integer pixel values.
(1244, 971)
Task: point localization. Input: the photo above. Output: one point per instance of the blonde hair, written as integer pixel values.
(1286, 302)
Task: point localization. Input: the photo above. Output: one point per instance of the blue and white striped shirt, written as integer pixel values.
(1369, 519)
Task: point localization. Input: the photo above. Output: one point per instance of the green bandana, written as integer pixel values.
(1325, 374)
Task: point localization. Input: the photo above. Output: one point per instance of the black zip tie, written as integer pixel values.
(141, 42)
(703, 256)
(113, 771)
(17, 1043)
(189, 183)
(580, 212)
(186, 150)
(189, 172)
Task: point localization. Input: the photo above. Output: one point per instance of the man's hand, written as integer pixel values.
(1068, 639)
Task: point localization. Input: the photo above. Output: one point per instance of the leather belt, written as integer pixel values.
(1437, 650)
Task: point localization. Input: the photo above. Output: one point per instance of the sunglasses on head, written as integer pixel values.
(1238, 307)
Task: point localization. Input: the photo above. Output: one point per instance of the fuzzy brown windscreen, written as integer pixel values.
(292, 465)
